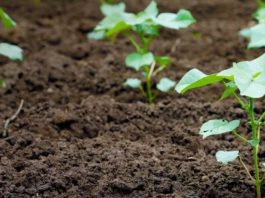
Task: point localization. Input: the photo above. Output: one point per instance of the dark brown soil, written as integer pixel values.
(81, 134)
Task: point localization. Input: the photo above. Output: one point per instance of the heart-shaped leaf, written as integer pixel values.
(250, 85)
(194, 79)
(13, 52)
(165, 85)
(256, 35)
(108, 9)
(152, 9)
(133, 83)
(226, 156)
(176, 21)
(137, 61)
(217, 127)
(259, 15)
(6, 20)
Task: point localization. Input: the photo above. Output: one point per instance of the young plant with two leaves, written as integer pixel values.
(256, 33)
(10, 51)
(141, 29)
(245, 81)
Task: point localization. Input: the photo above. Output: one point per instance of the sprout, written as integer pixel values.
(245, 81)
(141, 29)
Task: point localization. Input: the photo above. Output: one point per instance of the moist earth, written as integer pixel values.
(82, 134)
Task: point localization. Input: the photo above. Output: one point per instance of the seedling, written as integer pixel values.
(13, 52)
(245, 81)
(141, 29)
(256, 34)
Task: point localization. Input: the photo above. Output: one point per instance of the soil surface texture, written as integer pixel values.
(81, 134)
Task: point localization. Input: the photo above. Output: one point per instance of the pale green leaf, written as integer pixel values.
(226, 156)
(119, 27)
(259, 15)
(230, 89)
(108, 9)
(152, 9)
(110, 21)
(217, 127)
(133, 83)
(96, 35)
(137, 60)
(176, 21)
(256, 36)
(195, 79)
(165, 85)
(250, 85)
(13, 52)
(6, 20)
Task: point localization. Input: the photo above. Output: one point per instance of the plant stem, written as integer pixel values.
(246, 168)
(133, 42)
(149, 73)
(255, 136)
(242, 138)
(241, 102)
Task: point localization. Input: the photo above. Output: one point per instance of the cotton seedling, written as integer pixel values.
(10, 51)
(141, 29)
(245, 81)
(256, 34)
(13, 52)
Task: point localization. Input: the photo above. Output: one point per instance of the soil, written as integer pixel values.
(82, 134)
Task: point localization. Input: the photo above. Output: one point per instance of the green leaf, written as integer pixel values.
(13, 52)
(110, 21)
(137, 60)
(163, 61)
(259, 15)
(96, 35)
(6, 20)
(194, 79)
(249, 84)
(217, 127)
(254, 142)
(230, 89)
(149, 29)
(108, 9)
(256, 35)
(119, 27)
(227, 74)
(133, 83)
(176, 21)
(226, 156)
(152, 9)
(165, 85)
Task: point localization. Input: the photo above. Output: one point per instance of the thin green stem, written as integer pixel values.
(142, 91)
(242, 138)
(133, 42)
(247, 170)
(261, 117)
(149, 73)
(241, 102)
(256, 147)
